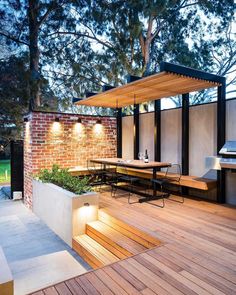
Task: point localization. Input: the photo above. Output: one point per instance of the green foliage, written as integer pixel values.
(5, 166)
(63, 178)
(86, 44)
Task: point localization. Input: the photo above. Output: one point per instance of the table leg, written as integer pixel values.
(154, 176)
(105, 177)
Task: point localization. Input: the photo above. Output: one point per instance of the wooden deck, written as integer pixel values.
(198, 255)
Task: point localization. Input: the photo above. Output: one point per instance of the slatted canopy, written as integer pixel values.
(170, 81)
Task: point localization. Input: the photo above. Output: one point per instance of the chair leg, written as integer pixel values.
(181, 198)
(163, 198)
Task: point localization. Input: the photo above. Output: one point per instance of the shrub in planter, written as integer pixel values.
(64, 179)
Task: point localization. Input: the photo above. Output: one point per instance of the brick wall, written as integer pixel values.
(66, 143)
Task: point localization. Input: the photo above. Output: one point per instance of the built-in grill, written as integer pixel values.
(228, 153)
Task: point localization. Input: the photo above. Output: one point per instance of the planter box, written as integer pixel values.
(63, 211)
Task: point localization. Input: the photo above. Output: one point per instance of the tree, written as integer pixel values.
(13, 97)
(23, 24)
(81, 45)
(132, 37)
(140, 34)
(15, 94)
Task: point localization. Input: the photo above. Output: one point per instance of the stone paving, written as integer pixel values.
(24, 236)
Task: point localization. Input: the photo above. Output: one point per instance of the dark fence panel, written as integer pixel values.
(17, 166)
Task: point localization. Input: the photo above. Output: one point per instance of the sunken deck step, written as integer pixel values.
(112, 239)
(128, 230)
(92, 252)
(109, 239)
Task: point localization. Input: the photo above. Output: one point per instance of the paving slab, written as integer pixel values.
(39, 272)
(33, 251)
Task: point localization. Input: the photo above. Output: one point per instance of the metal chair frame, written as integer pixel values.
(96, 174)
(127, 178)
(167, 179)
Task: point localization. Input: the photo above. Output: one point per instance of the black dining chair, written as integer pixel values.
(172, 176)
(96, 174)
(124, 177)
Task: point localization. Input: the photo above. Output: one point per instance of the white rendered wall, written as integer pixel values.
(146, 134)
(63, 211)
(231, 135)
(202, 137)
(128, 137)
(231, 120)
(171, 139)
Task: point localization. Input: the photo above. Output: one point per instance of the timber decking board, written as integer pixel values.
(94, 253)
(197, 257)
(115, 238)
(128, 230)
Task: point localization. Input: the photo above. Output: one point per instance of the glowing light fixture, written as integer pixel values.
(26, 120)
(86, 204)
(79, 120)
(57, 119)
(99, 121)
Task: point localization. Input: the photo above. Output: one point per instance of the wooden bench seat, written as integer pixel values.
(83, 171)
(186, 180)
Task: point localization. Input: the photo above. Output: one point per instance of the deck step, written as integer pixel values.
(117, 243)
(130, 231)
(92, 252)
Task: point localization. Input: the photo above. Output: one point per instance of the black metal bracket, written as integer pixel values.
(119, 132)
(157, 130)
(136, 131)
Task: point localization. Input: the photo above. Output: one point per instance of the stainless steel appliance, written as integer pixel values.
(228, 153)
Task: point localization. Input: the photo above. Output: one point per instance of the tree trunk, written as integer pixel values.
(35, 100)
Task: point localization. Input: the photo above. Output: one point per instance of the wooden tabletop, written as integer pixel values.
(139, 164)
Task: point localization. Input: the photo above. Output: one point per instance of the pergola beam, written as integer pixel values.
(190, 72)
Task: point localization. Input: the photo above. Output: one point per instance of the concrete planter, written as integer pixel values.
(63, 211)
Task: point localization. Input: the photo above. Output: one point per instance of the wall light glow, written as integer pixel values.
(86, 214)
(98, 128)
(78, 131)
(56, 127)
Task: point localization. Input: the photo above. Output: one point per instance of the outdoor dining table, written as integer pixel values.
(137, 164)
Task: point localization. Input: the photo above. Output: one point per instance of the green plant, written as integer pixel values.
(63, 178)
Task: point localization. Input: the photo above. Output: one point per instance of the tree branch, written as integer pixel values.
(82, 35)
(14, 39)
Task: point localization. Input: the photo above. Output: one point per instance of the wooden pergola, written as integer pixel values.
(170, 81)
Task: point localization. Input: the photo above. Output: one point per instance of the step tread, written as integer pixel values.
(114, 217)
(97, 250)
(134, 233)
(117, 237)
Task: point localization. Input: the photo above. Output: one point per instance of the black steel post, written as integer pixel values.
(221, 130)
(119, 132)
(136, 131)
(185, 138)
(185, 134)
(157, 130)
